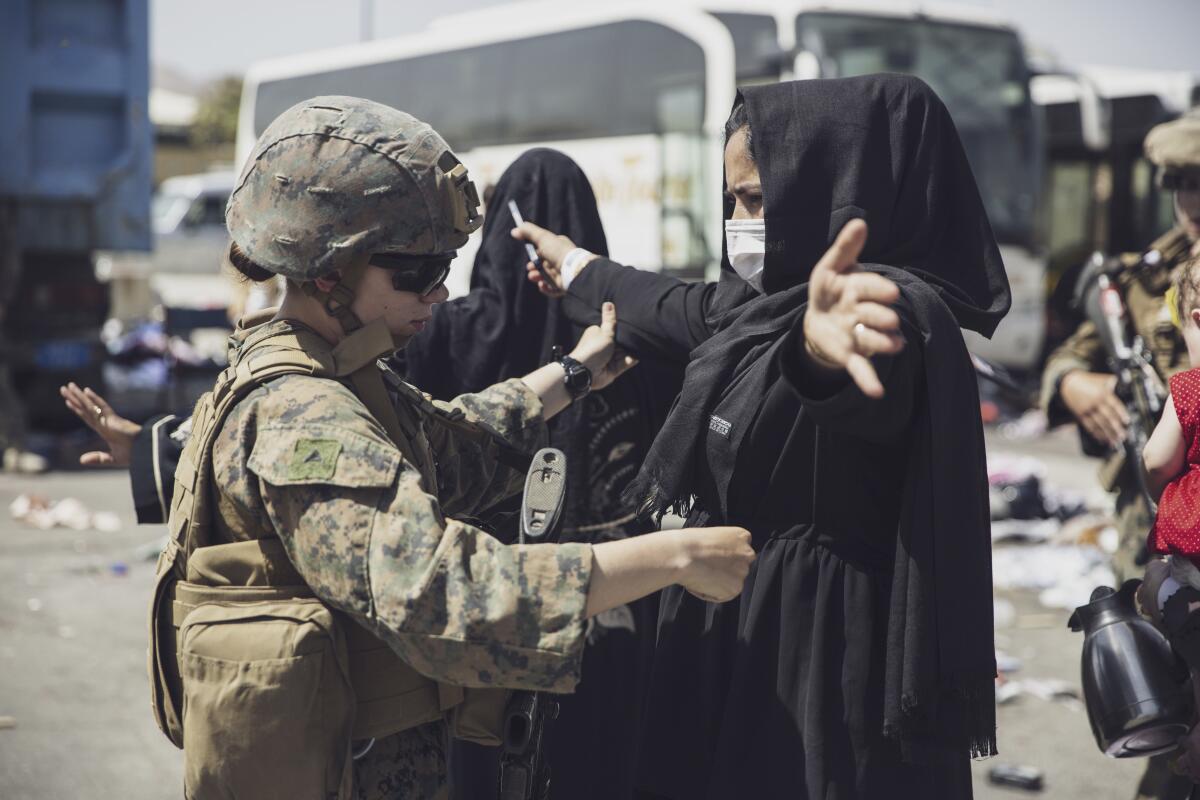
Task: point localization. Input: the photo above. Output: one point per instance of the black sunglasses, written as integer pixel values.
(1180, 180)
(419, 274)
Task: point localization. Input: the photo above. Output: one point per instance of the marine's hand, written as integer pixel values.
(848, 319)
(1091, 397)
(116, 431)
(717, 561)
(597, 350)
(552, 249)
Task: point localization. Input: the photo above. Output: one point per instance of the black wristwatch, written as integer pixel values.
(577, 378)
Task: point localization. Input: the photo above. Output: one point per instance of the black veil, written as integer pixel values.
(881, 148)
(505, 328)
(884, 149)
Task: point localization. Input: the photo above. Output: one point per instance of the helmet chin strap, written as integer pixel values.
(340, 296)
(373, 336)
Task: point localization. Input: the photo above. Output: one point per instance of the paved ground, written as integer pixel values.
(72, 661)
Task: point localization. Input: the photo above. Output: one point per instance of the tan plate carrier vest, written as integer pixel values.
(247, 666)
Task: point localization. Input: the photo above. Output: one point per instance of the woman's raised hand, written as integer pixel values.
(597, 350)
(848, 319)
(116, 431)
(552, 249)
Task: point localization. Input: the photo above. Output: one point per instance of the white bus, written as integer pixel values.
(638, 95)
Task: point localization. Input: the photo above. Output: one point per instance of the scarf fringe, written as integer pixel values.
(650, 499)
(974, 705)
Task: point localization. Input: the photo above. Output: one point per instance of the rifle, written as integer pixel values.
(524, 773)
(1138, 385)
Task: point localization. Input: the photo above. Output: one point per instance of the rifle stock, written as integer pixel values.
(524, 773)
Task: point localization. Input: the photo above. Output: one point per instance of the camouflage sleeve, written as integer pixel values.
(450, 600)
(470, 478)
(510, 409)
(1082, 351)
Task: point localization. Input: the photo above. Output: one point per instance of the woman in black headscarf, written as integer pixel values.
(845, 435)
(503, 328)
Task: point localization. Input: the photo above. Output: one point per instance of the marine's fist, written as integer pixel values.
(717, 561)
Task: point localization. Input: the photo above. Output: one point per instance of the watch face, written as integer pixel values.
(579, 378)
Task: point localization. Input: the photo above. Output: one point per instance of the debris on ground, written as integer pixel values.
(40, 512)
(1028, 426)
(1044, 538)
(7, 722)
(1050, 690)
(1018, 491)
(1017, 776)
(1006, 663)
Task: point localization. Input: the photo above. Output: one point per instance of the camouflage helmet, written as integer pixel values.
(335, 177)
(1175, 146)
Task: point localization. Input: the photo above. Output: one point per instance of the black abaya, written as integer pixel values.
(851, 666)
(505, 328)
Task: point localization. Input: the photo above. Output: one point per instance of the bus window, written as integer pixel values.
(981, 76)
(1070, 205)
(757, 57)
(1153, 208)
(628, 77)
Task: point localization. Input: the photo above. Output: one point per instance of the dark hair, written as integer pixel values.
(738, 119)
(1187, 289)
(249, 270)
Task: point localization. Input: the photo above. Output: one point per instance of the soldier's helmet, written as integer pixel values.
(1174, 147)
(335, 177)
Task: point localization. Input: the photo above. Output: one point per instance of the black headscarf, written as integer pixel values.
(884, 149)
(504, 327)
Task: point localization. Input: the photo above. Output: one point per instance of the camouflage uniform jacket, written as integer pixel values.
(301, 458)
(1143, 287)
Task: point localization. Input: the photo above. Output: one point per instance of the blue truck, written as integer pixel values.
(76, 159)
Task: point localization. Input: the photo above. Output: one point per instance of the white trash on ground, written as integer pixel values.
(40, 512)
(1065, 574)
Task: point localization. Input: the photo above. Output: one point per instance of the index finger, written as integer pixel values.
(843, 253)
(528, 232)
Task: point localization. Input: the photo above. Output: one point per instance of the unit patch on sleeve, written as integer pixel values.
(314, 459)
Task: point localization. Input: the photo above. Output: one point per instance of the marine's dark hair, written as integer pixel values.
(249, 269)
(1187, 289)
(738, 119)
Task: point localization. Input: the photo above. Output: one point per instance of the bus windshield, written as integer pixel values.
(981, 75)
(755, 46)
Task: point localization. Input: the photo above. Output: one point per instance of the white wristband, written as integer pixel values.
(571, 265)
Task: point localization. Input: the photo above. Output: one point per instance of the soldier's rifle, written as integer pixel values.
(524, 772)
(1138, 386)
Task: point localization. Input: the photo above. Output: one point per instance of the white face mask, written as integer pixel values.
(746, 244)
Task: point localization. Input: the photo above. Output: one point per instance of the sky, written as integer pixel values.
(211, 38)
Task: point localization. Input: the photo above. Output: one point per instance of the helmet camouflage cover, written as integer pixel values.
(335, 177)
(1175, 146)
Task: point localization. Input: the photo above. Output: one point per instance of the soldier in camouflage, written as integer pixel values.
(1078, 386)
(360, 207)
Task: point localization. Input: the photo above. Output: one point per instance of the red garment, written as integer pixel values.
(1177, 529)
